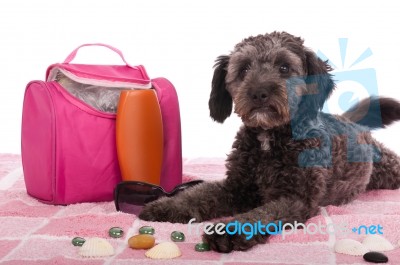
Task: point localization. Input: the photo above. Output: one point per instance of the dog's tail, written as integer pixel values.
(374, 112)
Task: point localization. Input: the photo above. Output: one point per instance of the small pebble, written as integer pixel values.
(78, 241)
(116, 232)
(141, 241)
(375, 257)
(148, 230)
(201, 247)
(177, 236)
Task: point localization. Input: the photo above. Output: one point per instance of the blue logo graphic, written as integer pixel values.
(368, 230)
(249, 230)
(352, 87)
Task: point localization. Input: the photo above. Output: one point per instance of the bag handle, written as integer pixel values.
(72, 55)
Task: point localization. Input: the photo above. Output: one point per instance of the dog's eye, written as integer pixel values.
(284, 69)
(243, 71)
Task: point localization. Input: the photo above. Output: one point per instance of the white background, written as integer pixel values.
(180, 40)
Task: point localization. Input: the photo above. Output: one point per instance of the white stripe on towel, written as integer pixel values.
(332, 236)
(9, 180)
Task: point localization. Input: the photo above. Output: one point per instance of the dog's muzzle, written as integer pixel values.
(259, 95)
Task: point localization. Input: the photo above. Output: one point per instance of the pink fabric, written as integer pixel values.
(35, 233)
(118, 73)
(69, 148)
(72, 55)
(171, 171)
(123, 73)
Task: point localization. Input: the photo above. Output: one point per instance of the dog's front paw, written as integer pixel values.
(221, 241)
(152, 212)
(164, 210)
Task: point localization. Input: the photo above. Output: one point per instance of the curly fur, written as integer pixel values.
(288, 158)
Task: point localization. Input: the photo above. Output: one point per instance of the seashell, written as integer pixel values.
(165, 250)
(350, 247)
(377, 243)
(96, 247)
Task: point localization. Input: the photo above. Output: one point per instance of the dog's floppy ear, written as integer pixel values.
(319, 82)
(220, 102)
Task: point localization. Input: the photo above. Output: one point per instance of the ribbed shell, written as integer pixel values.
(165, 250)
(350, 247)
(96, 247)
(377, 243)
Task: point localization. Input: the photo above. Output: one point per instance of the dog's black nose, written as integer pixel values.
(259, 96)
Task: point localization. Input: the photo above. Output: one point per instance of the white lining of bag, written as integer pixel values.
(95, 82)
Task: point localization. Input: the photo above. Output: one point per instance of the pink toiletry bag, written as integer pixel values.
(68, 130)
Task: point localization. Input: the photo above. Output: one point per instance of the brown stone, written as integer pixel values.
(141, 241)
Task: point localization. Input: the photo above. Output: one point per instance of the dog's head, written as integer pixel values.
(267, 78)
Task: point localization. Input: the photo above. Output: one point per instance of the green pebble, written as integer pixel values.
(146, 230)
(177, 236)
(201, 247)
(116, 232)
(78, 241)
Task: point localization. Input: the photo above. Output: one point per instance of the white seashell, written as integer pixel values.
(350, 247)
(165, 250)
(377, 243)
(96, 247)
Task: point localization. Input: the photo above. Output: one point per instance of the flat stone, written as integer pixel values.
(78, 241)
(177, 236)
(146, 230)
(141, 241)
(116, 232)
(375, 257)
(202, 247)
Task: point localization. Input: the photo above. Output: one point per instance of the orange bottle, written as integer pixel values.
(139, 136)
